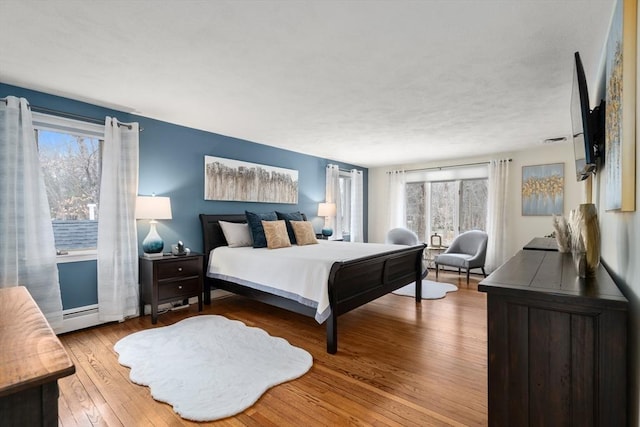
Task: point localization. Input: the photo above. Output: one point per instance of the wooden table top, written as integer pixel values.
(549, 275)
(30, 352)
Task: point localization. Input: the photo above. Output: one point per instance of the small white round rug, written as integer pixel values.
(430, 290)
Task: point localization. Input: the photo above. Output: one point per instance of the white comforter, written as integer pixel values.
(300, 273)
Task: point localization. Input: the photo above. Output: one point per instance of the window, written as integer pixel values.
(70, 155)
(345, 202)
(447, 207)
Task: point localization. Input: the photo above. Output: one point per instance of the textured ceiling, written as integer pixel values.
(371, 83)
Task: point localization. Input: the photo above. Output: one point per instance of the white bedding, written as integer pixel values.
(300, 273)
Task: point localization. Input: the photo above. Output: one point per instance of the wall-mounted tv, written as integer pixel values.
(588, 126)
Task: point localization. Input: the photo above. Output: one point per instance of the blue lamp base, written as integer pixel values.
(152, 245)
(326, 232)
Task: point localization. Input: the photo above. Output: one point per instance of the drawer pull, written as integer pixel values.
(179, 286)
(179, 268)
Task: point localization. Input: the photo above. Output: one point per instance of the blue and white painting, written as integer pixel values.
(543, 189)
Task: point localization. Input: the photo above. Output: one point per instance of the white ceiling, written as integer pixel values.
(371, 83)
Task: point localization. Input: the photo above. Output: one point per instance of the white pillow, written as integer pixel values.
(237, 234)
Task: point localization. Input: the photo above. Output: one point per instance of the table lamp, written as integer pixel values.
(153, 208)
(327, 210)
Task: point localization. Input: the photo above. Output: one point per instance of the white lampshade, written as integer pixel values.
(326, 209)
(153, 207)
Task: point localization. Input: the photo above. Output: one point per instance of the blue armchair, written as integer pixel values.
(468, 250)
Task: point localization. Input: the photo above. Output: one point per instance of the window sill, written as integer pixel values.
(77, 256)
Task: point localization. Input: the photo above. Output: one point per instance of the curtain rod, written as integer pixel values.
(446, 167)
(64, 114)
(346, 170)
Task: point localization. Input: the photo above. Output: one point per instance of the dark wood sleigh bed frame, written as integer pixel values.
(351, 283)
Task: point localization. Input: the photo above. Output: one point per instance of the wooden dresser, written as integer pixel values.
(31, 361)
(557, 344)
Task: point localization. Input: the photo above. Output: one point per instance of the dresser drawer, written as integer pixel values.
(179, 268)
(178, 288)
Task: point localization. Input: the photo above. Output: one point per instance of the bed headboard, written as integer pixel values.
(212, 235)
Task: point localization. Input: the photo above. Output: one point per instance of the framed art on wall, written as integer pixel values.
(620, 140)
(227, 179)
(543, 189)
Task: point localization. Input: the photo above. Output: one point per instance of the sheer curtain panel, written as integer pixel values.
(356, 227)
(117, 234)
(397, 202)
(332, 195)
(497, 213)
(27, 248)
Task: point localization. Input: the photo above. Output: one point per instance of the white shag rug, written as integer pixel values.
(430, 290)
(209, 367)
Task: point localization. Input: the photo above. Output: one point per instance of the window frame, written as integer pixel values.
(52, 123)
(345, 201)
(444, 174)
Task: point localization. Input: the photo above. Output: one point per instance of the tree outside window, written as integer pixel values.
(71, 169)
(446, 207)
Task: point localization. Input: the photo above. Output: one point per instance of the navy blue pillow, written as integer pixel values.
(255, 225)
(291, 216)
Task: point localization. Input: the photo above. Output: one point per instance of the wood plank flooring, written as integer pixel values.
(398, 364)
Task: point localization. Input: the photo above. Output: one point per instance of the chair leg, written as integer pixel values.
(437, 268)
(483, 273)
(468, 276)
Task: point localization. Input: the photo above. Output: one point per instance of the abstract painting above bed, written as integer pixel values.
(228, 179)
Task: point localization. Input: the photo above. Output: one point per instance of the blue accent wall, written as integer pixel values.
(78, 283)
(172, 164)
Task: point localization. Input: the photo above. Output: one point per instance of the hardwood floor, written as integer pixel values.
(398, 364)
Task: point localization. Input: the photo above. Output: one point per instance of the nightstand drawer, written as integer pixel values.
(179, 268)
(178, 288)
(169, 278)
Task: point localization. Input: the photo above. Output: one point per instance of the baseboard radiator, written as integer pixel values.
(77, 318)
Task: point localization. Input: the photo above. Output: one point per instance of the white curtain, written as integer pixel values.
(357, 234)
(27, 247)
(497, 214)
(117, 235)
(332, 195)
(397, 202)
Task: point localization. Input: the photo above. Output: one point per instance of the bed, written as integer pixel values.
(350, 284)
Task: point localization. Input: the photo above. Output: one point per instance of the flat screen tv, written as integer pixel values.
(587, 125)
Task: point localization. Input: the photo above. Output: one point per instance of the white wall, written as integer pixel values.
(620, 249)
(520, 229)
(620, 232)
(620, 253)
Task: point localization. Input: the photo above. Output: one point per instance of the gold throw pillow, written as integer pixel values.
(276, 234)
(303, 230)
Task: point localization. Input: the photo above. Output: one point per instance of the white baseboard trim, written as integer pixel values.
(219, 293)
(77, 318)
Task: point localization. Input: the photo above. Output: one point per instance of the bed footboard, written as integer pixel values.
(357, 282)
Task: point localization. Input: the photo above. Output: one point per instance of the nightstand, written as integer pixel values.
(170, 278)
